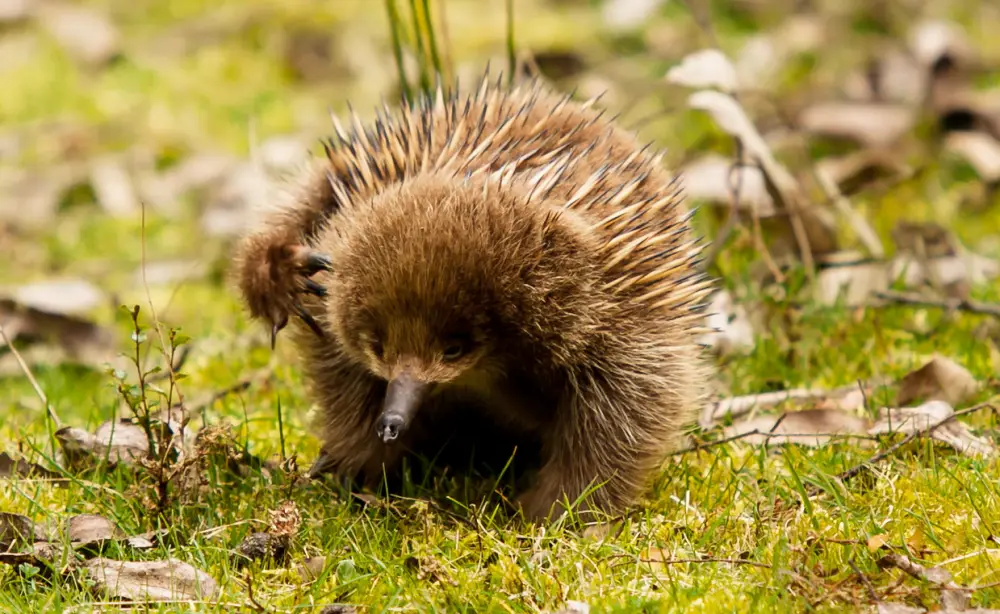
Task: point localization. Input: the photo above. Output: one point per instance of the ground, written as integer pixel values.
(780, 532)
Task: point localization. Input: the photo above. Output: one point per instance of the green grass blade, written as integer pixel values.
(397, 46)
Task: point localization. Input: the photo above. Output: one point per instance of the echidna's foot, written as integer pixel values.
(274, 286)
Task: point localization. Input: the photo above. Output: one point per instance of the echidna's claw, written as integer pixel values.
(315, 262)
(309, 320)
(315, 288)
(276, 328)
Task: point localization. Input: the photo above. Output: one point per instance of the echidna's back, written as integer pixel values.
(535, 138)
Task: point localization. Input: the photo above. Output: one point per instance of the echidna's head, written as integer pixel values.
(429, 280)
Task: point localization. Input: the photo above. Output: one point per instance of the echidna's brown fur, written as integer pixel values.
(531, 229)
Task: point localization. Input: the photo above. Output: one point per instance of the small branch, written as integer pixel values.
(710, 560)
(864, 579)
(956, 304)
(853, 471)
(770, 435)
(31, 379)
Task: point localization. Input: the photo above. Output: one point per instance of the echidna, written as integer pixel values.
(508, 258)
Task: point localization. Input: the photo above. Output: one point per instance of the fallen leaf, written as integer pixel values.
(120, 441)
(708, 179)
(628, 14)
(87, 35)
(931, 40)
(311, 568)
(16, 530)
(88, 529)
(893, 76)
(811, 427)
(113, 187)
(29, 199)
(909, 420)
(708, 68)
(57, 337)
(852, 283)
(898, 608)
(941, 379)
(11, 467)
(853, 171)
(817, 224)
(980, 150)
(876, 542)
(168, 580)
(59, 296)
(871, 124)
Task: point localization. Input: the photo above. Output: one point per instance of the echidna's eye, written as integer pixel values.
(453, 351)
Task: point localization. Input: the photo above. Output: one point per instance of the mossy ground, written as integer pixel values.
(729, 502)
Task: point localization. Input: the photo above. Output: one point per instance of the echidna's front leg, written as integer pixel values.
(274, 274)
(586, 453)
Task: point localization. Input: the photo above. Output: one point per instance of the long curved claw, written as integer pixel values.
(315, 288)
(315, 262)
(309, 320)
(276, 328)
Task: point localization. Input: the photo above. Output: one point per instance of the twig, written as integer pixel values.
(31, 379)
(853, 471)
(771, 435)
(864, 580)
(709, 560)
(955, 304)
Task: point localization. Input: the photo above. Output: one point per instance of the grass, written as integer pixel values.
(732, 502)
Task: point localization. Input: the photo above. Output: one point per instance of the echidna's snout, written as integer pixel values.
(402, 398)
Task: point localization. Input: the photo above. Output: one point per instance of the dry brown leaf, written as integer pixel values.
(893, 76)
(119, 441)
(908, 420)
(871, 124)
(811, 224)
(853, 283)
(11, 467)
(113, 187)
(853, 171)
(70, 338)
(623, 15)
(87, 35)
(941, 379)
(88, 529)
(932, 39)
(875, 542)
(707, 179)
(60, 296)
(16, 530)
(708, 68)
(167, 580)
(811, 427)
(980, 150)
(311, 568)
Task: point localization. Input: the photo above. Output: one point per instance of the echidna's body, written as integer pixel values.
(509, 255)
